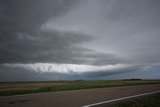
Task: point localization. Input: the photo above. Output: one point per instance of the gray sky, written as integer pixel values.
(79, 39)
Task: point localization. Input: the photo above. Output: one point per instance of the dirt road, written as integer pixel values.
(77, 98)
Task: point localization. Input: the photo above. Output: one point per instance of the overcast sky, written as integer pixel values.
(79, 39)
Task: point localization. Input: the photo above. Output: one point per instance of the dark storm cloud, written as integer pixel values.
(53, 46)
(24, 38)
(24, 15)
(45, 46)
(87, 34)
(20, 25)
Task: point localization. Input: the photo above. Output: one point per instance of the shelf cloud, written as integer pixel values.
(45, 40)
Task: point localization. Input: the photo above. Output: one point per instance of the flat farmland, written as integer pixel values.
(17, 88)
(98, 97)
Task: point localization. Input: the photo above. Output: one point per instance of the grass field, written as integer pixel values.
(147, 101)
(16, 88)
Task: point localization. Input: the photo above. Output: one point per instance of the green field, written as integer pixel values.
(16, 88)
(147, 101)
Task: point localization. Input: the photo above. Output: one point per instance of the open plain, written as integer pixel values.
(75, 98)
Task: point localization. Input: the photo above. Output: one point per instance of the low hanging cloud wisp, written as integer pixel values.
(68, 68)
(45, 71)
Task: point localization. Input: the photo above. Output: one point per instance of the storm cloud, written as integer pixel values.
(25, 39)
(87, 39)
